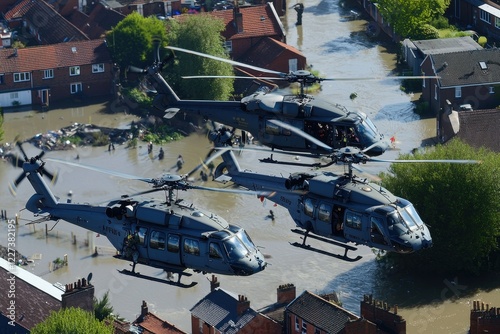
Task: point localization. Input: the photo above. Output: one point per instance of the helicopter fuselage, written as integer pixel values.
(327, 122)
(173, 237)
(339, 207)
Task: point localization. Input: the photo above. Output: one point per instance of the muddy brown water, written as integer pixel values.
(336, 47)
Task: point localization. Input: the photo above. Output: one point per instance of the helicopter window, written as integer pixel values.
(353, 220)
(191, 247)
(274, 129)
(235, 248)
(365, 133)
(375, 232)
(309, 207)
(324, 212)
(157, 240)
(173, 243)
(142, 235)
(215, 251)
(246, 239)
(413, 215)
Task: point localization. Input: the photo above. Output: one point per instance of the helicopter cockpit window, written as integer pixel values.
(365, 133)
(235, 248)
(353, 220)
(242, 234)
(142, 235)
(157, 240)
(191, 246)
(215, 251)
(325, 212)
(173, 243)
(309, 207)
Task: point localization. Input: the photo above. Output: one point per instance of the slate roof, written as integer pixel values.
(447, 45)
(463, 68)
(51, 26)
(319, 312)
(34, 299)
(54, 56)
(218, 309)
(100, 20)
(479, 128)
(258, 21)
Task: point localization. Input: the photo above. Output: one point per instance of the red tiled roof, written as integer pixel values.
(258, 21)
(50, 25)
(54, 56)
(152, 324)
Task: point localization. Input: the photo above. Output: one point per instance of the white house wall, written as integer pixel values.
(23, 97)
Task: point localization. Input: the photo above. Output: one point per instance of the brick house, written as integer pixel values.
(149, 323)
(34, 298)
(44, 74)
(483, 318)
(468, 77)
(482, 16)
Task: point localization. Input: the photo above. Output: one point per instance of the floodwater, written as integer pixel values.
(337, 48)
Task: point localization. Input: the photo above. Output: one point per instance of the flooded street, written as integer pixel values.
(337, 48)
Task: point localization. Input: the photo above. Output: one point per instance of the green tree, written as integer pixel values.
(72, 320)
(458, 201)
(132, 41)
(102, 308)
(200, 33)
(407, 17)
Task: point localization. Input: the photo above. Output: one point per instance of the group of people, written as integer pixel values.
(161, 154)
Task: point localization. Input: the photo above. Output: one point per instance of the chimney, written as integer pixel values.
(238, 19)
(144, 309)
(79, 294)
(243, 305)
(214, 283)
(285, 293)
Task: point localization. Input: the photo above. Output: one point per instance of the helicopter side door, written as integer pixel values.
(356, 227)
(193, 252)
(164, 247)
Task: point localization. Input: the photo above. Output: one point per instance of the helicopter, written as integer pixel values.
(171, 235)
(338, 209)
(331, 124)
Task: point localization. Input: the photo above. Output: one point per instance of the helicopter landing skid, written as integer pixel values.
(160, 280)
(320, 251)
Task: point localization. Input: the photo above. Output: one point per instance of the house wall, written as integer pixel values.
(195, 327)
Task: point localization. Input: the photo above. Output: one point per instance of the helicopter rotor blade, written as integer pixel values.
(229, 77)
(428, 161)
(233, 191)
(229, 61)
(301, 133)
(383, 78)
(207, 161)
(25, 156)
(103, 170)
(136, 69)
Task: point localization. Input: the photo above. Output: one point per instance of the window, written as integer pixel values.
(2, 79)
(458, 92)
(97, 68)
(353, 220)
(143, 231)
(272, 129)
(435, 92)
(228, 45)
(497, 22)
(423, 80)
(324, 212)
(304, 327)
(215, 252)
(76, 87)
(309, 207)
(491, 90)
(191, 247)
(74, 70)
(200, 325)
(484, 16)
(14, 95)
(297, 323)
(157, 240)
(173, 243)
(317, 331)
(23, 76)
(48, 74)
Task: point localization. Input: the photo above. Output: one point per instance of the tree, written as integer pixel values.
(458, 201)
(132, 41)
(102, 308)
(407, 17)
(72, 320)
(200, 33)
